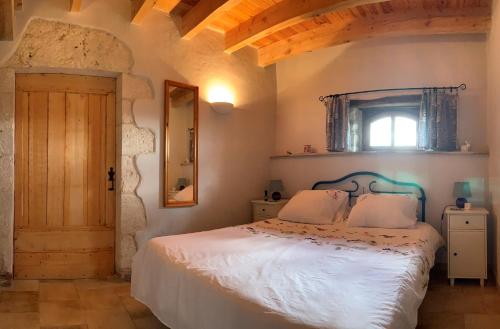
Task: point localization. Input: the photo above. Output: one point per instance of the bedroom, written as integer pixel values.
(132, 48)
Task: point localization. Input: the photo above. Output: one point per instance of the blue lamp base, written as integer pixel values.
(461, 202)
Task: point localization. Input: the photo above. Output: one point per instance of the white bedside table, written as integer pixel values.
(467, 244)
(262, 210)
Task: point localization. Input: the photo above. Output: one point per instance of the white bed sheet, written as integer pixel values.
(276, 274)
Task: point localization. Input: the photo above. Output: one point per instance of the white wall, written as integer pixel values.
(493, 52)
(379, 64)
(234, 150)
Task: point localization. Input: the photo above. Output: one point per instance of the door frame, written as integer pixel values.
(118, 152)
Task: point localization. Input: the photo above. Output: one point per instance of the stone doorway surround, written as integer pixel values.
(55, 47)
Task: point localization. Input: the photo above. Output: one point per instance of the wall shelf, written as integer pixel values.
(375, 153)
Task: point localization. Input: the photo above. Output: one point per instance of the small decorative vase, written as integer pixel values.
(276, 196)
(461, 203)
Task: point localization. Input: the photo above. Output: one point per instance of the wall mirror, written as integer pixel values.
(181, 145)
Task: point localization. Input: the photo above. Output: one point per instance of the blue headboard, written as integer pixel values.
(356, 189)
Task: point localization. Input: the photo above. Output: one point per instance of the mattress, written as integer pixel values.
(277, 274)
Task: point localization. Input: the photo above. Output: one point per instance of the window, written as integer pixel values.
(390, 129)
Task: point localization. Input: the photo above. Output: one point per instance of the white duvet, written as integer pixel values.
(275, 274)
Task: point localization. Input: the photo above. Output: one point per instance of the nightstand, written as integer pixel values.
(467, 244)
(266, 209)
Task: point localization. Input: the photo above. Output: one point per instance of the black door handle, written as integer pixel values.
(111, 178)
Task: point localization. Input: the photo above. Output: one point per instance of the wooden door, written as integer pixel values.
(64, 202)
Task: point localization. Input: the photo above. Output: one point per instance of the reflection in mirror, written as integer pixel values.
(181, 133)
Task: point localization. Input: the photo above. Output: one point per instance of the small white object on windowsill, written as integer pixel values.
(465, 147)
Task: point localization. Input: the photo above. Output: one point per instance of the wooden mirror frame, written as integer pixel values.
(168, 84)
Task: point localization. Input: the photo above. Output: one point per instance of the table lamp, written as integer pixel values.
(276, 187)
(181, 183)
(461, 191)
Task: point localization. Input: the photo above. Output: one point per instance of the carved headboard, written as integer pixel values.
(361, 182)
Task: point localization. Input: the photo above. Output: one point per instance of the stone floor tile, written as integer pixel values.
(149, 322)
(482, 321)
(18, 301)
(22, 285)
(441, 321)
(19, 321)
(96, 299)
(61, 313)
(54, 291)
(134, 308)
(108, 320)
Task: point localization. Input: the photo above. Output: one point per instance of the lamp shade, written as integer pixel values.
(222, 107)
(462, 190)
(276, 185)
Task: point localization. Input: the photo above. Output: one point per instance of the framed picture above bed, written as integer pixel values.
(180, 184)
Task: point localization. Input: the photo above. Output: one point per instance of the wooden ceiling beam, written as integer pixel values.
(140, 8)
(6, 20)
(202, 14)
(467, 20)
(75, 6)
(166, 6)
(283, 15)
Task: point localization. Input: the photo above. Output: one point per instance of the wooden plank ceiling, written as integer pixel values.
(282, 28)
(279, 29)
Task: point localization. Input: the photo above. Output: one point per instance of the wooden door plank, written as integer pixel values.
(66, 83)
(38, 111)
(111, 156)
(95, 160)
(56, 159)
(21, 174)
(103, 177)
(97, 264)
(64, 240)
(75, 192)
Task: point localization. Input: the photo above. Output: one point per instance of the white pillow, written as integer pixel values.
(185, 195)
(313, 206)
(384, 210)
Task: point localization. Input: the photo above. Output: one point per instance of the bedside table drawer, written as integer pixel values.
(264, 212)
(266, 209)
(467, 222)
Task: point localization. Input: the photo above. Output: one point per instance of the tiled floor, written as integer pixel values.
(80, 304)
(464, 306)
(94, 304)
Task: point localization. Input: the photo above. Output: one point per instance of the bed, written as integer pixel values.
(277, 274)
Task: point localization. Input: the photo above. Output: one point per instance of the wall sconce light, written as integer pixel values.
(222, 107)
(221, 99)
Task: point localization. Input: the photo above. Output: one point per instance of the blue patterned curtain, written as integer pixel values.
(337, 122)
(438, 120)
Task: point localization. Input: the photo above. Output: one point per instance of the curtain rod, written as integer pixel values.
(463, 86)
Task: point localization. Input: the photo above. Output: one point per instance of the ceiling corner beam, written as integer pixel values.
(361, 29)
(202, 14)
(6, 20)
(140, 8)
(283, 15)
(166, 6)
(75, 6)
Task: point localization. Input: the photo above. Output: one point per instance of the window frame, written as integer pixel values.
(371, 115)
